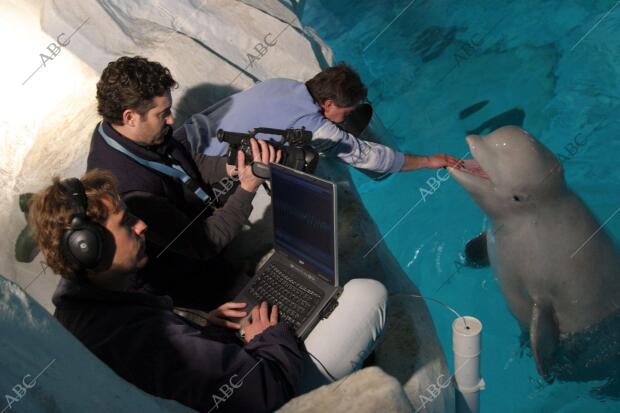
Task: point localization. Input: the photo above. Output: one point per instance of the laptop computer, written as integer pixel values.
(301, 276)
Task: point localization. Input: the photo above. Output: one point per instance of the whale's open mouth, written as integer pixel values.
(472, 166)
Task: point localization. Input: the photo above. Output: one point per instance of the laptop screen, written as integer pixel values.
(303, 218)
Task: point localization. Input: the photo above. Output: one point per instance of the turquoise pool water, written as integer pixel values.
(549, 66)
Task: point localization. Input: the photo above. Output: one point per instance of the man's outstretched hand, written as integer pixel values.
(441, 160)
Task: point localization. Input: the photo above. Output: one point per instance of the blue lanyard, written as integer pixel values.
(176, 171)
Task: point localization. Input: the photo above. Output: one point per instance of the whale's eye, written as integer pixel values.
(516, 198)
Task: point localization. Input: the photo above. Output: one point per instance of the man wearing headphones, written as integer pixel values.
(88, 236)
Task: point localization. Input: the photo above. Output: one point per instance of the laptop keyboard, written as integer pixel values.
(294, 301)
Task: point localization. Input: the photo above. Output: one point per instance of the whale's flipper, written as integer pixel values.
(544, 336)
(476, 251)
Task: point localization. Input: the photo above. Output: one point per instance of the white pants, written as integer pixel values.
(343, 340)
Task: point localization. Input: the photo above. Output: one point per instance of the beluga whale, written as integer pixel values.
(557, 267)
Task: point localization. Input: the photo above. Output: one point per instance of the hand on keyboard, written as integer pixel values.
(220, 315)
(295, 301)
(260, 319)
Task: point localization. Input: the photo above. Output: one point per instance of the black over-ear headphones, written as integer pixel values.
(82, 243)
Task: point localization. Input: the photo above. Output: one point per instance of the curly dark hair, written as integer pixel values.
(131, 83)
(340, 83)
(50, 214)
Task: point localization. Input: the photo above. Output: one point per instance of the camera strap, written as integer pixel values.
(175, 171)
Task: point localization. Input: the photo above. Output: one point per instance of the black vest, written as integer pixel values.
(184, 279)
(132, 176)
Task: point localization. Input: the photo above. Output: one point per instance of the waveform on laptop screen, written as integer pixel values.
(304, 220)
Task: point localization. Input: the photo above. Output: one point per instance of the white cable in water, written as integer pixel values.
(435, 300)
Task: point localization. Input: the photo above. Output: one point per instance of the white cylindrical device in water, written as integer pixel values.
(466, 334)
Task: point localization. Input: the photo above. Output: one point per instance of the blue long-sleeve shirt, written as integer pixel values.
(283, 104)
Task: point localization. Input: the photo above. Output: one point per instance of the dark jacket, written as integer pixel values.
(167, 206)
(143, 341)
(220, 228)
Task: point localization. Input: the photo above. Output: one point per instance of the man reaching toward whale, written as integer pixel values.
(320, 105)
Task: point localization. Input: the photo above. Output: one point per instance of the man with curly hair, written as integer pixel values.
(173, 189)
(88, 236)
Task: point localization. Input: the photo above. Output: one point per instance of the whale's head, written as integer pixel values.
(510, 170)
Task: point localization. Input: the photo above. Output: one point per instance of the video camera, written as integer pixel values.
(297, 154)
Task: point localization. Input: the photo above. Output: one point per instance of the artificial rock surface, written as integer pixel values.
(207, 46)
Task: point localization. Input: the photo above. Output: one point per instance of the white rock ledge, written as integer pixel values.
(206, 45)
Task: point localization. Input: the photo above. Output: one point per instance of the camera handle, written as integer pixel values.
(262, 171)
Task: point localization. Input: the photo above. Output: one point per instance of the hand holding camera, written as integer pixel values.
(295, 145)
(261, 152)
